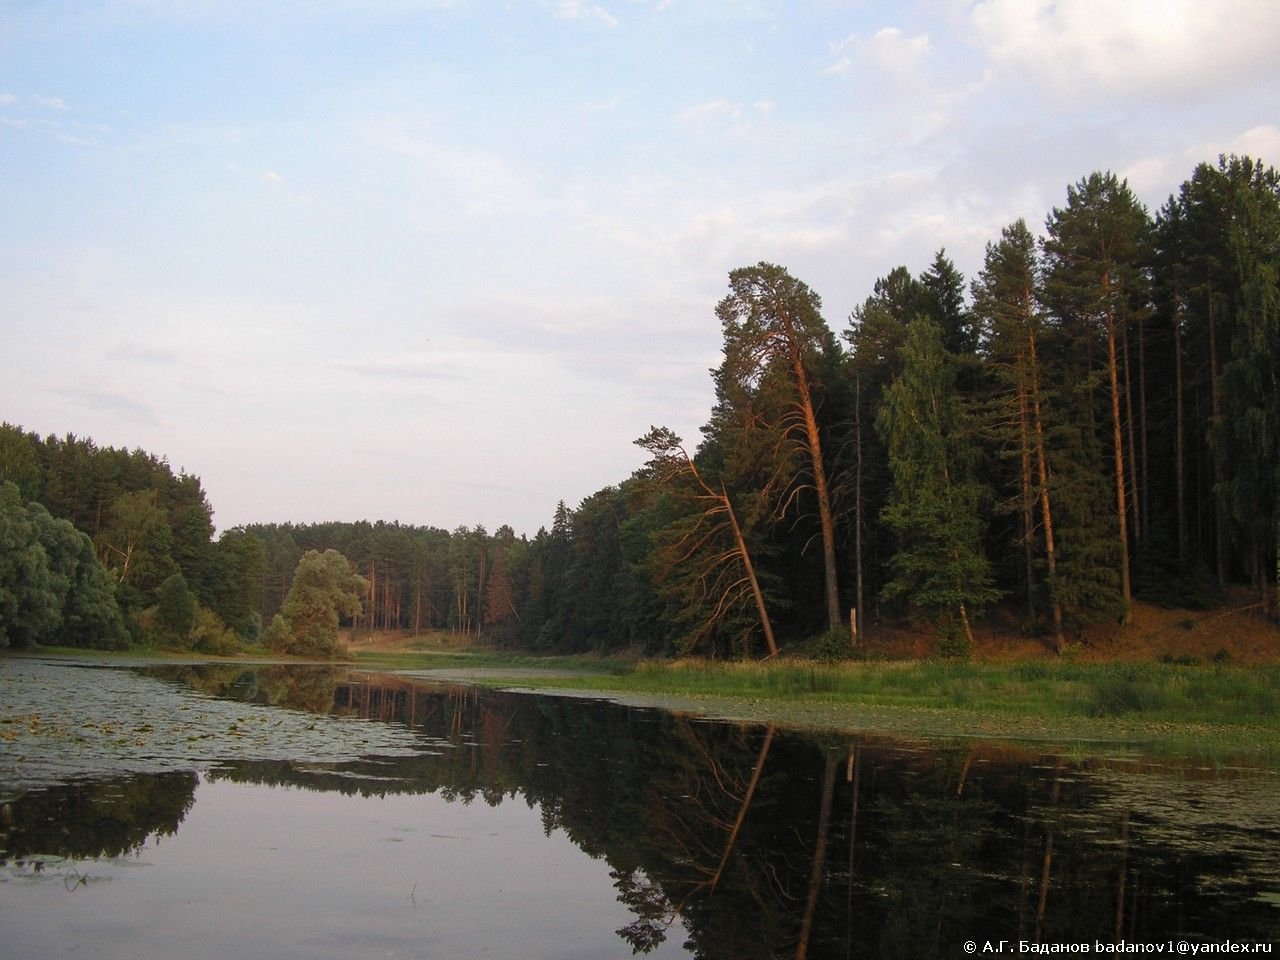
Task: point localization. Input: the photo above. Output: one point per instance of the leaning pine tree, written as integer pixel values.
(934, 507)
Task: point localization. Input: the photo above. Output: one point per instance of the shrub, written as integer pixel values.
(952, 643)
(210, 635)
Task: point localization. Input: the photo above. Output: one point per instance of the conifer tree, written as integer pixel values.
(1095, 254)
(774, 342)
(701, 557)
(1007, 300)
(935, 505)
(1246, 436)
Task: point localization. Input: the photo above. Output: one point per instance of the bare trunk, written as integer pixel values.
(1179, 454)
(1134, 503)
(1215, 409)
(819, 857)
(1275, 606)
(857, 534)
(1046, 867)
(751, 573)
(1028, 503)
(814, 444)
(968, 630)
(1117, 440)
(1145, 476)
(1046, 512)
(1121, 881)
(746, 804)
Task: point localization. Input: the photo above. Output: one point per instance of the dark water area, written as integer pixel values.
(316, 812)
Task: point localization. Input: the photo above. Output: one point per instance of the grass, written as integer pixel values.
(1163, 692)
(1209, 709)
(1214, 711)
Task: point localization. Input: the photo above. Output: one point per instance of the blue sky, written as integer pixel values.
(442, 262)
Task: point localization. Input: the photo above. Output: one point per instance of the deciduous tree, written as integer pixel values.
(324, 588)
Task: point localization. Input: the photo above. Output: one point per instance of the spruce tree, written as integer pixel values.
(935, 505)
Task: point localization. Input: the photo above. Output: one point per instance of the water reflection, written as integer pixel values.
(735, 841)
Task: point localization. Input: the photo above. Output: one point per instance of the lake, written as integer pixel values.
(301, 811)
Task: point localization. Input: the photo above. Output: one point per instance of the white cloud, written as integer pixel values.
(889, 50)
(895, 53)
(711, 108)
(578, 10)
(1261, 142)
(606, 105)
(1142, 46)
(479, 182)
(1154, 177)
(51, 103)
(7, 98)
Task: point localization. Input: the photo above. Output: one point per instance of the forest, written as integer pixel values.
(1093, 419)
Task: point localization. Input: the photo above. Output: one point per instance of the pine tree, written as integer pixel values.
(1095, 253)
(1007, 300)
(700, 557)
(774, 342)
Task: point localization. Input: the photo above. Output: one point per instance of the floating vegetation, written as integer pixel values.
(63, 721)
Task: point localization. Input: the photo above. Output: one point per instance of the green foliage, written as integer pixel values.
(1169, 336)
(324, 588)
(234, 581)
(209, 635)
(91, 616)
(175, 609)
(831, 646)
(52, 589)
(952, 642)
(935, 505)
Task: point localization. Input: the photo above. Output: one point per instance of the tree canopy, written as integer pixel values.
(1093, 420)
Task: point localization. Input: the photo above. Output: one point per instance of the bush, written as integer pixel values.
(210, 635)
(830, 647)
(952, 643)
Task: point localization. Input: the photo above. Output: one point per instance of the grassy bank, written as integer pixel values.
(1168, 693)
(1205, 710)
(1217, 711)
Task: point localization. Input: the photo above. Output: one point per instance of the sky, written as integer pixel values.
(442, 262)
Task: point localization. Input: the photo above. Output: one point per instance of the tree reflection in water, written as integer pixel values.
(763, 843)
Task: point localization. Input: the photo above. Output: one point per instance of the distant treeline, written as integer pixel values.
(1094, 418)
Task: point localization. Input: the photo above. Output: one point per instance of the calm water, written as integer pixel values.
(309, 812)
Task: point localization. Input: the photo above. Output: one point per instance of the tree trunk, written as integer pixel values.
(1046, 512)
(1121, 880)
(1145, 476)
(1028, 504)
(1134, 503)
(814, 444)
(857, 533)
(1215, 409)
(751, 572)
(819, 857)
(1117, 439)
(968, 630)
(1046, 866)
(1275, 606)
(1179, 453)
(746, 804)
